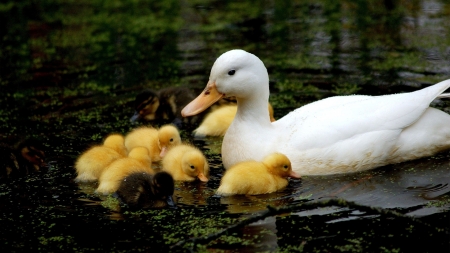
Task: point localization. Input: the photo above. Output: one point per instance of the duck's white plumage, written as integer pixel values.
(334, 135)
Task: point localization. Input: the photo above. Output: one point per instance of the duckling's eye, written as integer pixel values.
(231, 72)
(171, 139)
(285, 167)
(192, 167)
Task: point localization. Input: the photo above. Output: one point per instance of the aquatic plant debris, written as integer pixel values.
(70, 72)
(272, 211)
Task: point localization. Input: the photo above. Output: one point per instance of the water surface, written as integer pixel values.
(70, 71)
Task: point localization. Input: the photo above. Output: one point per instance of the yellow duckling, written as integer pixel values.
(91, 163)
(168, 136)
(216, 122)
(138, 160)
(254, 178)
(156, 141)
(185, 163)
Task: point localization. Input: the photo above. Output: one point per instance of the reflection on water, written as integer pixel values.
(410, 186)
(71, 69)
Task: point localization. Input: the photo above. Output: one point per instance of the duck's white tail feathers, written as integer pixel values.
(436, 91)
(444, 95)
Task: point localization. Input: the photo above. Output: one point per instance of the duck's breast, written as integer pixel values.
(243, 142)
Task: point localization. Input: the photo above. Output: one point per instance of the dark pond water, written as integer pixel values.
(69, 71)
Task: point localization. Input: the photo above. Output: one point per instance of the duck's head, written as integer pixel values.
(163, 187)
(168, 136)
(116, 142)
(146, 104)
(280, 165)
(235, 73)
(194, 165)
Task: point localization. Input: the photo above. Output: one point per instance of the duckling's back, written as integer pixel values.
(138, 160)
(117, 143)
(216, 123)
(143, 190)
(144, 137)
(91, 163)
(249, 177)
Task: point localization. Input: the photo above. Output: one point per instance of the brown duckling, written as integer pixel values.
(255, 178)
(162, 106)
(157, 141)
(216, 122)
(186, 163)
(144, 190)
(28, 157)
(90, 164)
(138, 160)
(165, 105)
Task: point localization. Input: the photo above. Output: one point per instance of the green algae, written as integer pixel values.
(70, 71)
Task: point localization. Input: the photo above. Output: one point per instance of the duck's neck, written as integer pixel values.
(254, 110)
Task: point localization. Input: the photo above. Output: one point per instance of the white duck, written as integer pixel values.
(334, 135)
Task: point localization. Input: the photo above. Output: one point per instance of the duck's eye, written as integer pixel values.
(231, 72)
(286, 167)
(192, 167)
(171, 139)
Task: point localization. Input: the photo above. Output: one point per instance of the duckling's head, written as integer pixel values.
(280, 165)
(163, 187)
(146, 104)
(194, 164)
(33, 152)
(168, 136)
(117, 143)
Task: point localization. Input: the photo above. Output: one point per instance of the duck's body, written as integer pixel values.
(156, 141)
(334, 135)
(252, 177)
(217, 122)
(144, 190)
(90, 164)
(186, 163)
(138, 160)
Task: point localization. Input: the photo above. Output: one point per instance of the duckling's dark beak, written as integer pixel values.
(135, 117)
(170, 202)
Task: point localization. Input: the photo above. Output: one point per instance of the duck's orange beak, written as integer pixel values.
(294, 175)
(163, 151)
(202, 177)
(209, 96)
